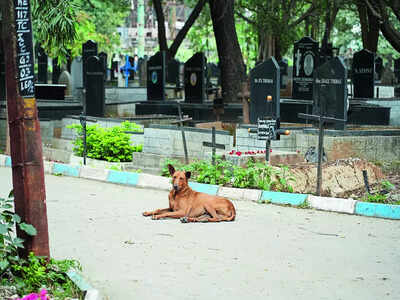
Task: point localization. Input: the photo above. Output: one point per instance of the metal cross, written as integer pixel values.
(214, 145)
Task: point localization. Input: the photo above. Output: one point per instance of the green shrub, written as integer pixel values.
(110, 144)
(256, 175)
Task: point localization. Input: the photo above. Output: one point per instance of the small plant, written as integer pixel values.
(110, 144)
(304, 205)
(387, 185)
(33, 273)
(375, 198)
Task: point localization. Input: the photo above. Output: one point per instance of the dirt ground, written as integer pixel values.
(344, 178)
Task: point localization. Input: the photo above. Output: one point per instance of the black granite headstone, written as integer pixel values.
(142, 70)
(42, 65)
(173, 67)
(363, 74)
(2, 74)
(103, 60)
(283, 66)
(330, 91)
(397, 75)
(378, 67)
(131, 72)
(213, 75)
(95, 91)
(265, 91)
(156, 76)
(88, 49)
(195, 78)
(56, 71)
(305, 60)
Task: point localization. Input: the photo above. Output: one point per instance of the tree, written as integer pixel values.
(233, 70)
(162, 37)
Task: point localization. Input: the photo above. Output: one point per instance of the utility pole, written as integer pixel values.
(26, 142)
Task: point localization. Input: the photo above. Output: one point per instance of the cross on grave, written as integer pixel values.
(127, 68)
(180, 122)
(213, 145)
(321, 121)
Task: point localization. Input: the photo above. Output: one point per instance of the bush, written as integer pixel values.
(110, 144)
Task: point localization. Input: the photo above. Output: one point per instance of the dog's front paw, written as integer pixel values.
(184, 220)
(154, 217)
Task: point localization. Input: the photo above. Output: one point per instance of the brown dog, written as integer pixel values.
(192, 206)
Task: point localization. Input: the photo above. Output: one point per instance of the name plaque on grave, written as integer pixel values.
(23, 29)
(265, 129)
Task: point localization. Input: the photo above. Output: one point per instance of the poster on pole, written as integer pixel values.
(25, 62)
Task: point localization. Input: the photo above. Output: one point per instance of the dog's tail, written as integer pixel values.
(233, 214)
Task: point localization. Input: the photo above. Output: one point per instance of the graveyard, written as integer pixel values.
(299, 122)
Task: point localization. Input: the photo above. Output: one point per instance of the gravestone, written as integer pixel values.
(56, 71)
(114, 66)
(378, 67)
(397, 75)
(95, 91)
(142, 67)
(156, 77)
(305, 60)
(330, 91)
(131, 71)
(265, 91)
(363, 74)
(2, 74)
(213, 75)
(103, 59)
(65, 78)
(173, 67)
(89, 49)
(76, 77)
(42, 65)
(195, 78)
(283, 66)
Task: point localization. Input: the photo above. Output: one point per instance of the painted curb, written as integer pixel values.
(92, 173)
(48, 167)
(83, 285)
(284, 198)
(239, 194)
(378, 210)
(204, 188)
(3, 160)
(123, 177)
(8, 163)
(333, 204)
(154, 181)
(66, 170)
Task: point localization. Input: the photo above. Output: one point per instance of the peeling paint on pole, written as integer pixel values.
(26, 142)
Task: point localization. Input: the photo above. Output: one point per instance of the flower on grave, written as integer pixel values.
(238, 153)
(270, 150)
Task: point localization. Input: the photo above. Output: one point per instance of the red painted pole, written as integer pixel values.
(25, 139)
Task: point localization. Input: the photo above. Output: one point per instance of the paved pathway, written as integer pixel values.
(269, 252)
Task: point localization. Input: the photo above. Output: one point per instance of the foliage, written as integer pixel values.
(31, 274)
(375, 198)
(255, 175)
(110, 144)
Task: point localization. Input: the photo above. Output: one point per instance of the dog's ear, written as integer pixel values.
(187, 174)
(171, 169)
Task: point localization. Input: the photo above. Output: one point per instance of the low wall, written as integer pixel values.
(167, 141)
(394, 105)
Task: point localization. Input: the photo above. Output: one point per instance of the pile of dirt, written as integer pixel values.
(339, 178)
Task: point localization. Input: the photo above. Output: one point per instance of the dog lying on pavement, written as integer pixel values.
(192, 206)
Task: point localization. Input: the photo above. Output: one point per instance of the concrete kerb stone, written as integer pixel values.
(66, 170)
(284, 198)
(3, 160)
(333, 204)
(94, 173)
(155, 182)
(378, 210)
(204, 188)
(48, 167)
(128, 178)
(239, 194)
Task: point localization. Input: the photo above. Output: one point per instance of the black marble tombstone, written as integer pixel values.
(397, 75)
(305, 60)
(330, 91)
(131, 72)
(283, 66)
(363, 72)
(213, 75)
(95, 91)
(378, 67)
(103, 60)
(265, 91)
(114, 67)
(2, 74)
(156, 77)
(42, 66)
(195, 78)
(173, 67)
(56, 71)
(88, 49)
(142, 70)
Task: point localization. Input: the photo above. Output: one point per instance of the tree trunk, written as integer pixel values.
(229, 53)
(162, 38)
(369, 27)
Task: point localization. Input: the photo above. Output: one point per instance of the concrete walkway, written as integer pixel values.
(269, 252)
